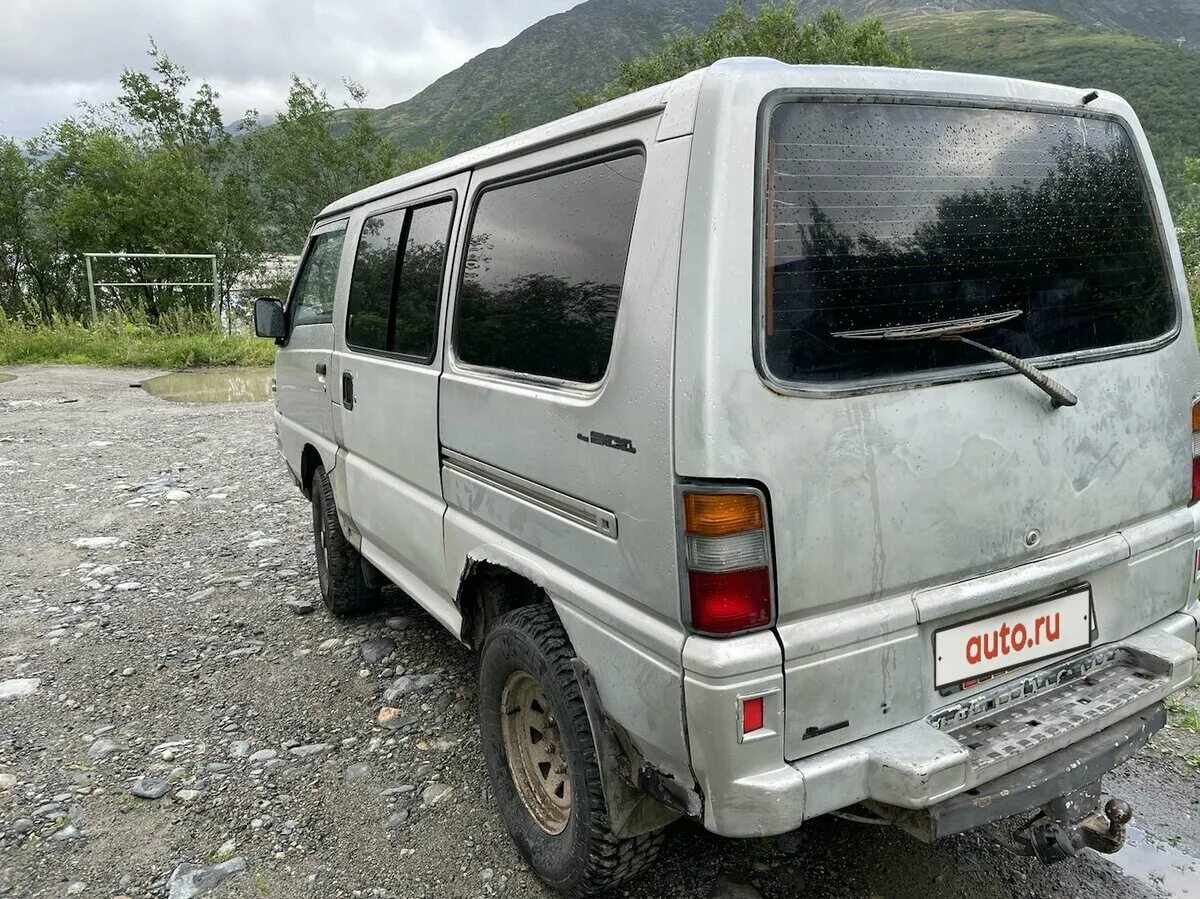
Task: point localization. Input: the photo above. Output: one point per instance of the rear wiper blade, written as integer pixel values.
(953, 330)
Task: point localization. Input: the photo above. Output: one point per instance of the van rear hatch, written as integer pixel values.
(900, 469)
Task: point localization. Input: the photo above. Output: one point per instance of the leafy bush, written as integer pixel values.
(121, 340)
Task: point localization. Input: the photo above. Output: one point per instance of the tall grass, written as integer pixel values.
(176, 341)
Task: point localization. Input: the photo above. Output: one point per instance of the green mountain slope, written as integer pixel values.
(1160, 80)
(532, 78)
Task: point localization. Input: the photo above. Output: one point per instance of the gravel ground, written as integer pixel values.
(161, 636)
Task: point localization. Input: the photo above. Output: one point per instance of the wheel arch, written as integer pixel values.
(310, 459)
(491, 584)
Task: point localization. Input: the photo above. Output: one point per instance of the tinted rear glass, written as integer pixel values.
(880, 216)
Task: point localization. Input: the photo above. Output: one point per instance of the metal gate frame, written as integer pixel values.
(93, 284)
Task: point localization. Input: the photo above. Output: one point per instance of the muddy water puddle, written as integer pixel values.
(1158, 865)
(213, 385)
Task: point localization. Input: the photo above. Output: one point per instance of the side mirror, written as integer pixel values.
(269, 318)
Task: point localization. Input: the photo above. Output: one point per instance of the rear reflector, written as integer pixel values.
(726, 602)
(752, 715)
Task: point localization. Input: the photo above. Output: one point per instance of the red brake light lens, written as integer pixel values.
(726, 602)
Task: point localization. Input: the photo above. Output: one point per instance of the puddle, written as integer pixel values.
(213, 385)
(1159, 865)
(4, 377)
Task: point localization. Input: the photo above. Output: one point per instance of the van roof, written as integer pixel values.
(680, 99)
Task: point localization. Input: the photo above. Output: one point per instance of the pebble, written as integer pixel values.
(127, 586)
(409, 683)
(201, 595)
(76, 887)
(7, 781)
(103, 748)
(18, 687)
(190, 880)
(358, 771)
(187, 795)
(435, 793)
(150, 787)
(239, 749)
(299, 606)
(24, 825)
(397, 820)
(724, 888)
(65, 833)
(263, 755)
(377, 649)
(310, 749)
(176, 495)
(94, 542)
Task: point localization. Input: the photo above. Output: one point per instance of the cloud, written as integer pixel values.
(55, 53)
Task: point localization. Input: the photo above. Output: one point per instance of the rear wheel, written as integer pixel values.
(541, 758)
(346, 587)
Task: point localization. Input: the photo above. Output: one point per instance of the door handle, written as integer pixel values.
(347, 391)
(321, 369)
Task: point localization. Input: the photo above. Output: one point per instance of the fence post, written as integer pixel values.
(91, 286)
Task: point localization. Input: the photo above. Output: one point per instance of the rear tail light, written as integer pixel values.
(1196, 450)
(728, 562)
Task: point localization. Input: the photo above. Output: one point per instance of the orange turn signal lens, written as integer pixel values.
(719, 514)
(1195, 417)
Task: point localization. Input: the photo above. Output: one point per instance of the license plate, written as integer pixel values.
(1011, 639)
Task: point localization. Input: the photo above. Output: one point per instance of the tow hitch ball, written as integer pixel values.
(1052, 836)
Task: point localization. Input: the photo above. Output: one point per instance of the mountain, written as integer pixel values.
(1160, 80)
(1126, 46)
(530, 79)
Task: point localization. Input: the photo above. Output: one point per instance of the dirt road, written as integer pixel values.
(155, 568)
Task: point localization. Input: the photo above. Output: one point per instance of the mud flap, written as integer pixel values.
(631, 811)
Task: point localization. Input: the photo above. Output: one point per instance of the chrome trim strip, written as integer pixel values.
(575, 510)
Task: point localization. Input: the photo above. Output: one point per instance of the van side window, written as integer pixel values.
(397, 278)
(312, 298)
(544, 268)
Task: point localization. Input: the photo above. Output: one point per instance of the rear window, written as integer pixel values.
(879, 216)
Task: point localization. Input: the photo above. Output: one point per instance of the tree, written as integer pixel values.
(1189, 225)
(315, 153)
(774, 32)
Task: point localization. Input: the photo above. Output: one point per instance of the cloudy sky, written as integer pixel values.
(54, 53)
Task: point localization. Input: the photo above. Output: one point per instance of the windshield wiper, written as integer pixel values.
(953, 330)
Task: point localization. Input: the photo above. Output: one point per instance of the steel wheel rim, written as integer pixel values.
(534, 749)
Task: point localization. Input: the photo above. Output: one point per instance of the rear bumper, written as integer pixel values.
(919, 765)
(1069, 770)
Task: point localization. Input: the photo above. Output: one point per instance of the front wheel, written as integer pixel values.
(341, 570)
(541, 758)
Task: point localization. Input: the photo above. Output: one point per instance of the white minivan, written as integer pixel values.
(788, 440)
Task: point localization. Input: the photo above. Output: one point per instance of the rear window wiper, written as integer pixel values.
(953, 330)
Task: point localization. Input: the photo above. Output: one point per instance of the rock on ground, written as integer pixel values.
(190, 880)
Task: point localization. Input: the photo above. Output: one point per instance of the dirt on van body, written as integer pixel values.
(178, 714)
